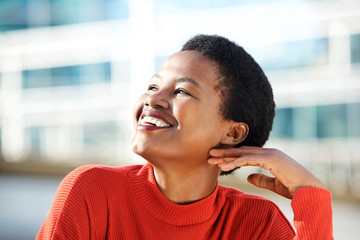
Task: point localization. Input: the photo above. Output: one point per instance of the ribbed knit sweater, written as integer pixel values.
(98, 202)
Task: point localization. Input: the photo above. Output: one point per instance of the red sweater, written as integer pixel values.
(98, 202)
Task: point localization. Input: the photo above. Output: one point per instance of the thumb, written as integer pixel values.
(262, 181)
(270, 183)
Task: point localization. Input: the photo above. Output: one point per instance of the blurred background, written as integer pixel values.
(70, 71)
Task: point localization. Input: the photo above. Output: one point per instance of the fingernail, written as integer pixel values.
(226, 167)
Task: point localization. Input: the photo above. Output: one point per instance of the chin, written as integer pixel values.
(136, 147)
(142, 149)
(153, 154)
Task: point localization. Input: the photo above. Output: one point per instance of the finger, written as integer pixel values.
(221, 164)
(248, 160)
(213, 160)
(217, 162)
(221, 153)
(234, 152)
(262, 181)
(269, 183)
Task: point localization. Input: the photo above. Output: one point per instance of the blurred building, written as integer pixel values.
(70, 72)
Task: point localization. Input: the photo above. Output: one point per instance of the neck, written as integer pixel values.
(186, 185)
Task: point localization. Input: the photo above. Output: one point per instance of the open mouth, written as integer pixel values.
(153, 121)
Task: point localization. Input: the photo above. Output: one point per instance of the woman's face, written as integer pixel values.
(178, 119)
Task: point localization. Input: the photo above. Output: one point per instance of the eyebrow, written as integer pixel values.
(183, 79)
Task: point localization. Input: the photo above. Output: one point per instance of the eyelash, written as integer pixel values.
(177, 91)
(152, 88)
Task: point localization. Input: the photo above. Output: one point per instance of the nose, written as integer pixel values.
(157, 100)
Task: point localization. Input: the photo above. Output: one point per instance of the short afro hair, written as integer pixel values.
(245, 90)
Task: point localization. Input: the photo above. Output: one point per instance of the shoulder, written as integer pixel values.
(93, 184)
(247, 210)
(250, 204)
(93, 175)
(91, 170)
(234, 195)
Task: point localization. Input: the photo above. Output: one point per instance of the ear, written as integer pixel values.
(237, 133)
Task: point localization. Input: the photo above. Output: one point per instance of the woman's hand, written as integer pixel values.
(289, 175)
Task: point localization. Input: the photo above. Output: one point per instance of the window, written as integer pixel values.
(35, 136)
(21, 14)
(64, 12)
(0, 139)
(95, 73)
(36, 78)
(305, 122)
(13, 14)
(116, 9)
(328, 121)
(332, 121)
(70, 11)
(289, 55)
(65, 76)
(353, 116)
(283, 123)
(99, 134)
(355, 48)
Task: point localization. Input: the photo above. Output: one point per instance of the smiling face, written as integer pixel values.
(177, 120)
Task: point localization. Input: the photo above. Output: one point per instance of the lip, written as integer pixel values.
(152, 114)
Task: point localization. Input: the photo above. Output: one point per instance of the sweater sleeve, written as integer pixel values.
(68, 217)
(312, 214)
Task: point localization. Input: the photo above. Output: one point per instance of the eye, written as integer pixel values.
(181, 91)
(153, 88)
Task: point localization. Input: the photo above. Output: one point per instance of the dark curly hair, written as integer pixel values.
(245, 90)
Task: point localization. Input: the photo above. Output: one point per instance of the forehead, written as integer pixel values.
(190, 64)
(191, 56)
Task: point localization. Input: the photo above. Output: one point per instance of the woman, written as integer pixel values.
(207, 111)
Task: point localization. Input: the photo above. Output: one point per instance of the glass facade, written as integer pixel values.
(96, 136)
(332, 121)
(169, 6)
(22, 14)
(327, 121)
(286, 59)
(355, 48)
(99, 133)
(300, 54)
(13, 14)
(283, 123)
(35, 139)
(304, 122)
(67, 76)
(115, 9)
(353, 120)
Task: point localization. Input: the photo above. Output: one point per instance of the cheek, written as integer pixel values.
(200, 121)
(213, 124)
(138, 106)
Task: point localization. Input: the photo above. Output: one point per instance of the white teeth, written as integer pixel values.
(147, 120)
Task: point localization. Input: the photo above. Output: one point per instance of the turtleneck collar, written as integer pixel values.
(153, 200)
